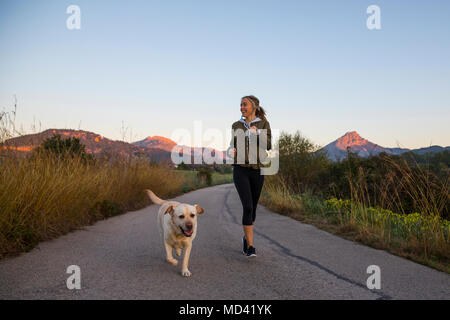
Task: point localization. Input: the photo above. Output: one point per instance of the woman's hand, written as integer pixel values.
(253, 129)
(232, 152)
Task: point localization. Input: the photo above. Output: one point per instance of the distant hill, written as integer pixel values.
(94, 143)
(168, 145)
(337, 150)
(156, 142)
(432, 149)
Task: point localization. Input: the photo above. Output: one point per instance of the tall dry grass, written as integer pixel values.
(424, 239)
(377, 211)
(279, 197)
(44, 196)
(424, 234)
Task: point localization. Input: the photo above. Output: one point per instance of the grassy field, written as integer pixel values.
(43, 197)
(191, 181)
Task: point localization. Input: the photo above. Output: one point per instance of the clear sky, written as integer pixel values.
(156, 66)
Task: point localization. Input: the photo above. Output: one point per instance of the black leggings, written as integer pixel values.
(249, 183)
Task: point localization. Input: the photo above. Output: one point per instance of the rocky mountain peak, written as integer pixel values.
(349, 139)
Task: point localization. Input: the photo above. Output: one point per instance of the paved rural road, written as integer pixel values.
(123, 258)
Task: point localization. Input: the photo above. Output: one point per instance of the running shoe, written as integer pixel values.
(251, 252)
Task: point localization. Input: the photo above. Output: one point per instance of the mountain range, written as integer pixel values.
(159, 148)
(337, 149)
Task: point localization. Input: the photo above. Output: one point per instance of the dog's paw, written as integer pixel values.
(186, 273)
(172, 261)
(178, 251)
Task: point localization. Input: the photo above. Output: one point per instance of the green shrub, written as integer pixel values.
(205, 173)
(63, 148)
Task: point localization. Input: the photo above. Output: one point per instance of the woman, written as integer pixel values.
(247, 176)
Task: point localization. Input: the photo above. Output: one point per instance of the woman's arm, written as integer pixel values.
(231, 145)
(266, 138)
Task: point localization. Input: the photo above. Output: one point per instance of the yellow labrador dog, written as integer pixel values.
(178, 226)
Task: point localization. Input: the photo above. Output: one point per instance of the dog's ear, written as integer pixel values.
(199, 209)
(170, 210)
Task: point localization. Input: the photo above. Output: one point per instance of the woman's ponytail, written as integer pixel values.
(260, 112)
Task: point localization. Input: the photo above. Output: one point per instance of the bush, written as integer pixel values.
(63, 148)
(183, 166)
(405, 184)
(302, 166)
(205, 174)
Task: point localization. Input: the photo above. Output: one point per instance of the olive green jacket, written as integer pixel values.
(260, 138)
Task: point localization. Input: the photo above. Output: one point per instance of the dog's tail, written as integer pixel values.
(154, 198)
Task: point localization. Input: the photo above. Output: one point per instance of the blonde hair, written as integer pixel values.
(260, 112)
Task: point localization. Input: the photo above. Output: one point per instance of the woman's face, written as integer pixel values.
(246, 107)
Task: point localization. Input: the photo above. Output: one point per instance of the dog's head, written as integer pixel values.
(184, 216)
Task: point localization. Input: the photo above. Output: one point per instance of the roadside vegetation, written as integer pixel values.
(59, 187)
(396, 203)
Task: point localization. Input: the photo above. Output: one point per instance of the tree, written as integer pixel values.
(183, 166)
(63, 148)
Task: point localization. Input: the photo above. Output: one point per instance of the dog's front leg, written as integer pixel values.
(169, 256)
(187, 252)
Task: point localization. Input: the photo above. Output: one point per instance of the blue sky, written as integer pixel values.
(161, 65)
